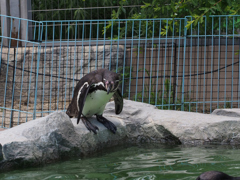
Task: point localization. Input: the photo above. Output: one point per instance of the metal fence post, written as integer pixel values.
(184, 56)
(25, 12)
(38, 60)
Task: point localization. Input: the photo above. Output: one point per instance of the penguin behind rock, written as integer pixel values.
(216, 175)
(91, 95)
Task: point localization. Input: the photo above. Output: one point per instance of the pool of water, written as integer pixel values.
(143, 162)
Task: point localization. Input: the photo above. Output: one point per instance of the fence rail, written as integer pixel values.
(161, 62)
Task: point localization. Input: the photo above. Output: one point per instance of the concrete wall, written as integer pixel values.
(19, 9)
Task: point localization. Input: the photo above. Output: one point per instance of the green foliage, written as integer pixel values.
(62, 10)
(199, 10)
(228, 105)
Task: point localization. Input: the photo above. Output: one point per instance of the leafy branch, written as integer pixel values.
(197, 18)
(177, 9)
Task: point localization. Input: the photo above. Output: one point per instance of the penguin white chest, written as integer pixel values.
(95, 103)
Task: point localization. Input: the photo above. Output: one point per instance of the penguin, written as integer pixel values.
(216, 175)
(91, 95)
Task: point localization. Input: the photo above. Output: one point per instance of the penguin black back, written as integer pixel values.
(216, 175)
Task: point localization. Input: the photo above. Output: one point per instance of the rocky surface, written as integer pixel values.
(56, 136)
(235, 112)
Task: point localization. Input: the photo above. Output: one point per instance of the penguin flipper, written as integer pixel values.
(89, 125)
(108, 124)
(118, 99)
(82, 94)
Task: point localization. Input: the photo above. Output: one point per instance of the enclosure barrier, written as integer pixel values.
(160, 61)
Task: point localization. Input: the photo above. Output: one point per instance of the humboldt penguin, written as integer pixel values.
(216, 175)
(91, 95)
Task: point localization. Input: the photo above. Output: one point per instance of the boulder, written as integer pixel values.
(57, 137)
(235, 112)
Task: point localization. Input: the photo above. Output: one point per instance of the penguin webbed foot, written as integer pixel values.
(89, 125)
(108, 124)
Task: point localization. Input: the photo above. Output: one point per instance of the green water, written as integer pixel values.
(143, 162)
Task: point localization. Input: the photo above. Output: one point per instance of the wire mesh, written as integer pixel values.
(18, 87)
(192, 70)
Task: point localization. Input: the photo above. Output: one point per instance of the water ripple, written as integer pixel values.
(140, 163)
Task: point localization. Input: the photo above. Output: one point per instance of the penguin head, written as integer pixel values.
(111, 81)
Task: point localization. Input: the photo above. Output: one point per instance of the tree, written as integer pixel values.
(198, 10)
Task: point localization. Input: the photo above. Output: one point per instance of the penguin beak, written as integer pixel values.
(109, 87)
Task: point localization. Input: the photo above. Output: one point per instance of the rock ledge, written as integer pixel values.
(56, 136)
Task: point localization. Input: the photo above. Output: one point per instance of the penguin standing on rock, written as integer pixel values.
(91, 95)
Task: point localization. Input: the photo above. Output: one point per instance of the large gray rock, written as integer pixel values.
(56, 136)
(37, 142)
(235, 112)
